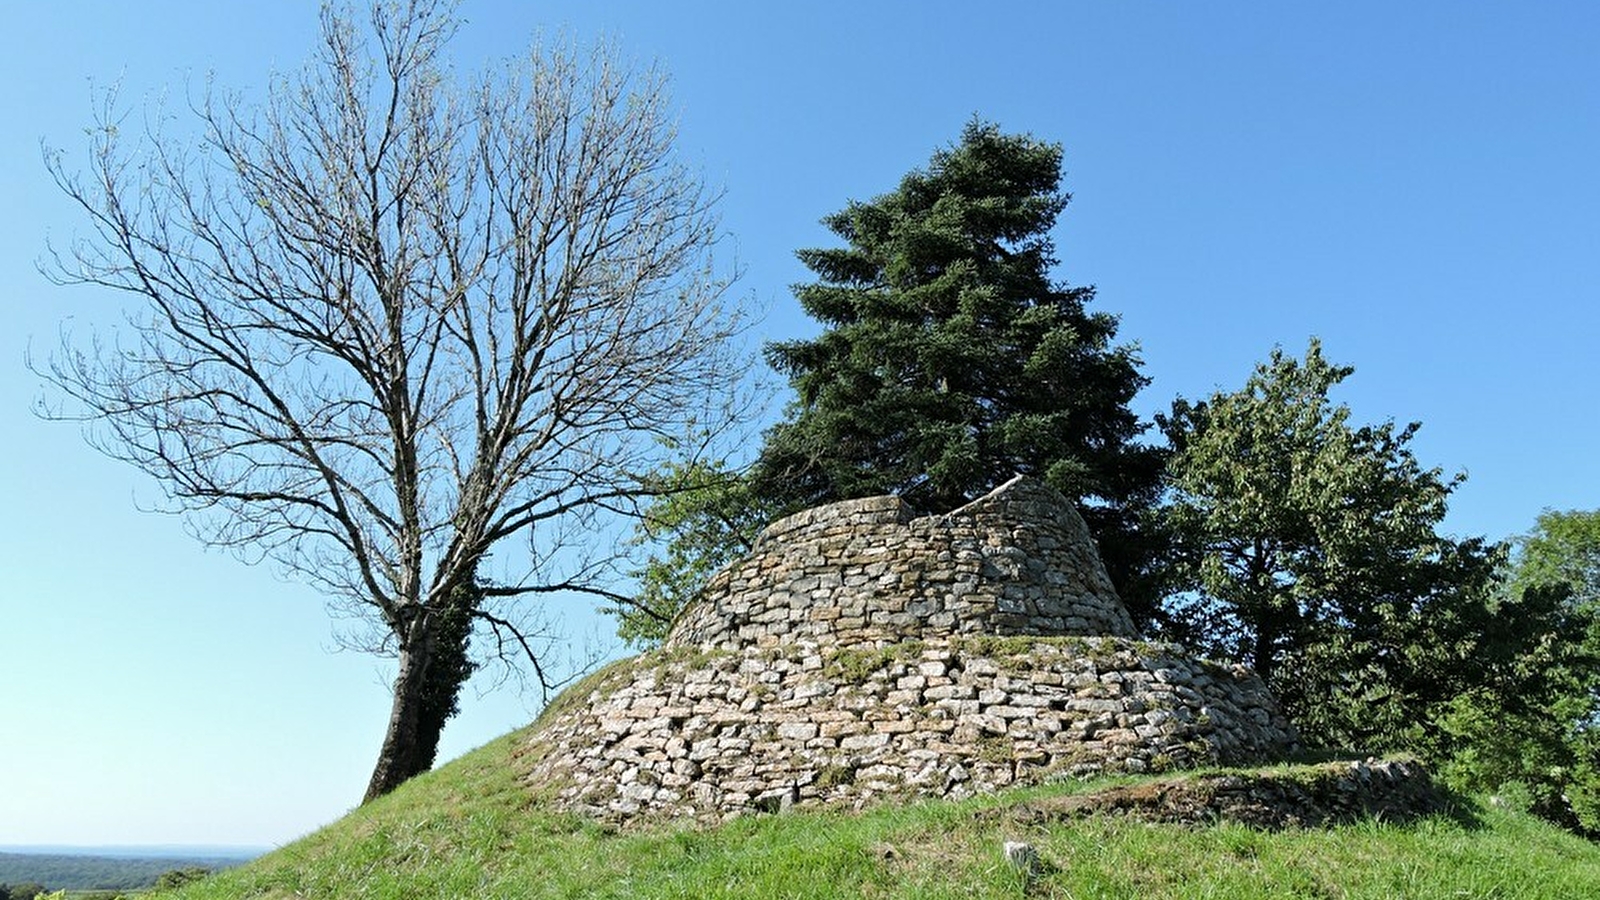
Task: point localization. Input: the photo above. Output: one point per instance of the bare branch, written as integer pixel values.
(388, 320)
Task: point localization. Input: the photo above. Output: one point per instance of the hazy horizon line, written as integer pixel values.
(141, 851)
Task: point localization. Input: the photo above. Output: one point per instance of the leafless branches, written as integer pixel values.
(386, 321)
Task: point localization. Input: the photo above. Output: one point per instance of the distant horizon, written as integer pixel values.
(140, 851)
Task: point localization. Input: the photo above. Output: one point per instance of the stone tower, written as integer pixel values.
(859, 651)
(1016, 561)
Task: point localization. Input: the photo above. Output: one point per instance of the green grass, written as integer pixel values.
(472, 830)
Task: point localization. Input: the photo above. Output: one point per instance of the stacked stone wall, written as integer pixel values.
(861, 652)
(1019, 561)
(713, 733)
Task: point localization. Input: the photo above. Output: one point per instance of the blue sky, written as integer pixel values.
(1415, 183)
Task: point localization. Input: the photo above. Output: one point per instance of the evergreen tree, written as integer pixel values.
(951, 360)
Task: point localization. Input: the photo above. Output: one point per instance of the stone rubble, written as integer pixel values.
(1394, 790)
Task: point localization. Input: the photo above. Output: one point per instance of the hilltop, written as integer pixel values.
(473, 829)
(873, 703)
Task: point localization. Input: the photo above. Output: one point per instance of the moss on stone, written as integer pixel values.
(683, 657)
(854, 665)
(995, 749)
(836, 775)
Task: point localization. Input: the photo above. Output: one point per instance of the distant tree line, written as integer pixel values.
(23, 875)
(33, 891)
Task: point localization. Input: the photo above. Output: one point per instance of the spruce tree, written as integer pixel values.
(951, 360)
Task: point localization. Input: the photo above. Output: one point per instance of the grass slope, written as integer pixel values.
(470, 830)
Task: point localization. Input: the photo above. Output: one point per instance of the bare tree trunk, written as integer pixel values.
(401, 756)
(434, 665)
(1262, 657)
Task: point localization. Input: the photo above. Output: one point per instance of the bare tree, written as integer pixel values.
(386, 320)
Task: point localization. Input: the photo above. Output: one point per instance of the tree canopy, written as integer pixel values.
(702, 517)
(1310, 549)
(1563, 549)
(1540, 728)
(390, 319)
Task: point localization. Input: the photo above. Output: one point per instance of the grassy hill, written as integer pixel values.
(471, 829)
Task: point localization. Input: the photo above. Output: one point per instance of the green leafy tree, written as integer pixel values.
(177, 878)
(951, 360)
(703, 516)
(1310, 549)
(1563, 549)
(1544, 731)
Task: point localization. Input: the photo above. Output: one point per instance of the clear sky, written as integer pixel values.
(1414, 182)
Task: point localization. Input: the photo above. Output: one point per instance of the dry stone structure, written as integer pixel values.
(859, 652)
(1018, 561)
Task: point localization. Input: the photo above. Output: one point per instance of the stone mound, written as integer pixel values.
(860, 652)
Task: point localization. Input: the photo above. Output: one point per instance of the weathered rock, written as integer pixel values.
(1021, 856)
